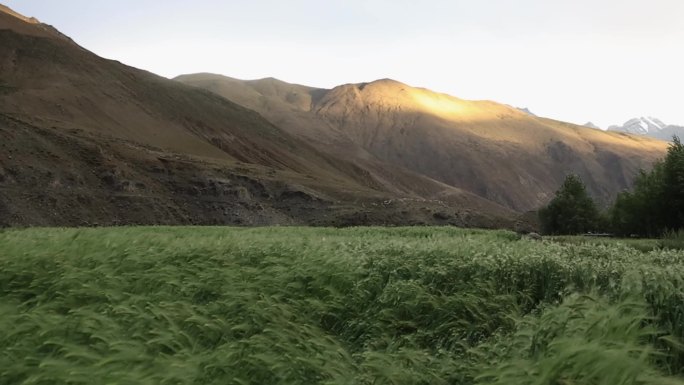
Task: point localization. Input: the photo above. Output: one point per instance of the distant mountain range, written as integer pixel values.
(495, 151)
(649, 126)
(85, 140)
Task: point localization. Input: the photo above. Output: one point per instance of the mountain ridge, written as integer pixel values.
(91, 140)
(490, 149)
(9, 11)
(651, 127)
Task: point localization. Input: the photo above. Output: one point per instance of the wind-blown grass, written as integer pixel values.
(334, 306)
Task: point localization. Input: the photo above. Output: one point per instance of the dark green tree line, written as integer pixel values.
(656, 203)
(641, 210)
(572, 211)
(654, 206)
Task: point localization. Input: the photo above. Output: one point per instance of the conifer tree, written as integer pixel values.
(572, 211)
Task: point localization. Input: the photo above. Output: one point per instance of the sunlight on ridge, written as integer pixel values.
(450, 107)
(441, 105)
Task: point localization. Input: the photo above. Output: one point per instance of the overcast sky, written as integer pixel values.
(576, 60)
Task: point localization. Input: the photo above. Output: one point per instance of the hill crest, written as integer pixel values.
(487, 148)
(7, 10)
(88, 140)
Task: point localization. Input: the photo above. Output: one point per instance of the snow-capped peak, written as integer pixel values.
(650, 126)
(642, 126)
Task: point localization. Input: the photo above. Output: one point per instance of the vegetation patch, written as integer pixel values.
(653, 208)
(641, 244)
(183, 305)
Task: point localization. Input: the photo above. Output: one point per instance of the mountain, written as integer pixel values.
(6, 10)
(87, 141)
(669, 131)
(649, 126)
(592, 125)
(526, 110)
(640, 126)
(489, 149)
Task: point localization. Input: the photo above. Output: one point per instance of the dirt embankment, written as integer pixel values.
(50, 177)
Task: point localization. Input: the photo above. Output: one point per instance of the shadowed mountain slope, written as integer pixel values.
(88, 140)
(492, 150)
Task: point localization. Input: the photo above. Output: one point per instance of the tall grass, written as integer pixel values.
(641, 244)
(673, 240)
(334, 306)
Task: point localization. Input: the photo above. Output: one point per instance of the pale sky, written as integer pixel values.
(575, 60)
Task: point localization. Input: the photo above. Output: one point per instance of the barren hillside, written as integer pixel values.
(490, 149)
(88, 140)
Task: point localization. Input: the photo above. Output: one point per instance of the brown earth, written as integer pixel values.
(50, 177)
(489, 149)
(88, 141)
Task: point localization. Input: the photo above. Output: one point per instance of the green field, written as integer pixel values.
(189, 305)
(642, 244)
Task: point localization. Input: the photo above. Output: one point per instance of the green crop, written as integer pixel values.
(193, 305)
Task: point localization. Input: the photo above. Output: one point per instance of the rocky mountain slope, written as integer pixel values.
(489, 149)
(87, 140)
(649, 126)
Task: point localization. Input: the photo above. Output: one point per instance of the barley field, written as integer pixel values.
(196, 305)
